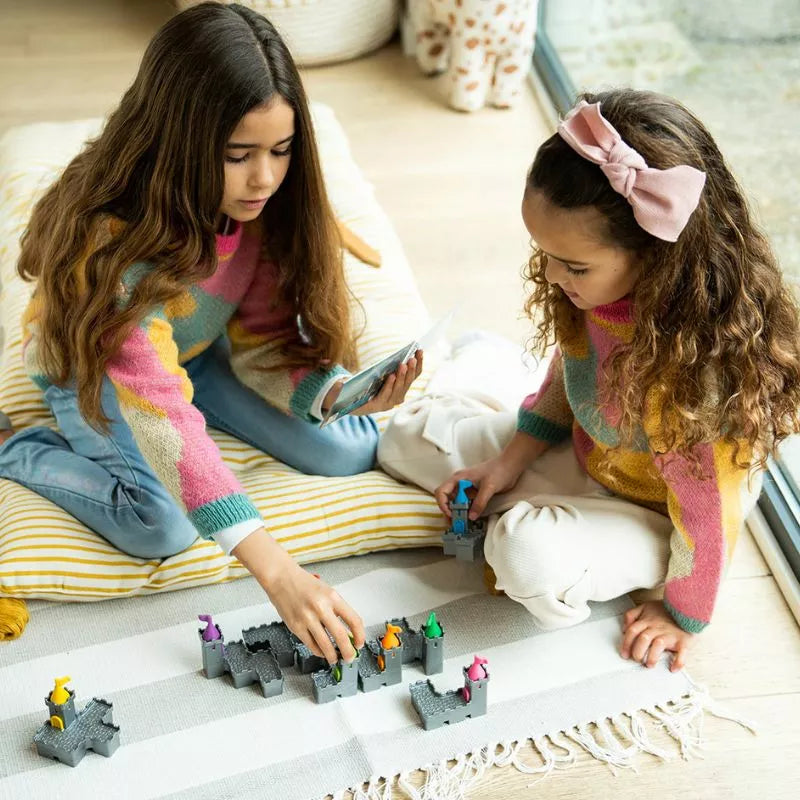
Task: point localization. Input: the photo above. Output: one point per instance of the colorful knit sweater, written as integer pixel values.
(155, 393)
(707, 510)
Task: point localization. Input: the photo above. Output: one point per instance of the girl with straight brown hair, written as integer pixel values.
(188, 271)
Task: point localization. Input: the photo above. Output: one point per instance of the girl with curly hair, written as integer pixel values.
(676, 372)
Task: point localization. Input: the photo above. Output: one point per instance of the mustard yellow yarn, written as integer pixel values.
(13, 617)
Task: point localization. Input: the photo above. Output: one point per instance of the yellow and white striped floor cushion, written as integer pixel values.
(45, 553)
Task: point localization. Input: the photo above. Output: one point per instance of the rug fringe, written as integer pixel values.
(617, 741)
(636, 732)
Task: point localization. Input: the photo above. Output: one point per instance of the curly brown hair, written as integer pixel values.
(716, 328)
(158, 165)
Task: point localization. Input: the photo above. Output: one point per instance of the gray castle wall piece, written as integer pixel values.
(327, 688)
(247, 668)
(306, 661)
(288, 649)
(445, 708)
(90, 729)
(275, 636)
(259, 656)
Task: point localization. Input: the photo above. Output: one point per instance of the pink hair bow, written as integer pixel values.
(662, 199)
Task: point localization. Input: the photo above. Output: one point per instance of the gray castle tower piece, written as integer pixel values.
(245, 667)
(213, 654)
(370, 675)
(419, 647)
(90, 729)
(326, 686)
(464, 538)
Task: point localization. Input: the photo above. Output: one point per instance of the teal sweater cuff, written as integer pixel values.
(220, 514)
(308, 389)
(540, 428)
(689, 624)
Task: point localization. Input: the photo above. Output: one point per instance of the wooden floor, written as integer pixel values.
(452, 185)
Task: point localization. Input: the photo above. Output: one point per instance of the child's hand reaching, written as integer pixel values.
(497, 475)
(310, 608)
(490, 477)
(649, 630)
(391, 394)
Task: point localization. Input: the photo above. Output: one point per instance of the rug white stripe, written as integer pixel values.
(171, 651)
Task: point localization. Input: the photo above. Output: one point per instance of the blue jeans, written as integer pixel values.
(104, 481)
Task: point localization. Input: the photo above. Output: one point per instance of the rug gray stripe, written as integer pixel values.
(60, 627)
(188, 700)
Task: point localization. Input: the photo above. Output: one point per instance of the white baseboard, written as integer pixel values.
(776, 561)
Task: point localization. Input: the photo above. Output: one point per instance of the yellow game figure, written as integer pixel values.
(60, 695)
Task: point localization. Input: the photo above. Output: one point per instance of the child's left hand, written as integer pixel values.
(649, 630)
(392, 393)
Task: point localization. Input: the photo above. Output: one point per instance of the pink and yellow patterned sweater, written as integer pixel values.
(154, 390)
(707, 510)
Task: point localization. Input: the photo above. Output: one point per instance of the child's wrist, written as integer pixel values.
(514, 464)
(521, 452)
(263, 557)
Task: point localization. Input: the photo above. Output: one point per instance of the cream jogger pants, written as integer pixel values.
(558, 539)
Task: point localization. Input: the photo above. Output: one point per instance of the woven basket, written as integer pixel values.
(325, 31)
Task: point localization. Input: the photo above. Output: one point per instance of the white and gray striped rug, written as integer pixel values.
(183, 736)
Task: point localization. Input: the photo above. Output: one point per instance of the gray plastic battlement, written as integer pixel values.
(468, 545)
(244, 666)
(445, 708)
(370, 675)
(260, 667)
(327, 688)
(275, 636)
(306, 661)
(418, 647)
(91, 729)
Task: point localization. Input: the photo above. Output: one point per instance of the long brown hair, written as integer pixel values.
(158, 164)
(716, 328)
